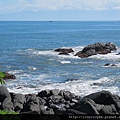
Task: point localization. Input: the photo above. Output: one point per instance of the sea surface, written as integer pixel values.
(27, 51)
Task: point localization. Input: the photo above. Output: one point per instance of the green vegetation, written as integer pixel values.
(6, 112)
(2, 75)
(5, 115)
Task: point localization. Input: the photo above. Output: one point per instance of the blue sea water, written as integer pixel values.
(27, 51)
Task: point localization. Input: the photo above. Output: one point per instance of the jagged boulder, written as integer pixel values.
(97, 48)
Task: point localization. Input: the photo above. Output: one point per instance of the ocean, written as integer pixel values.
(27, 51)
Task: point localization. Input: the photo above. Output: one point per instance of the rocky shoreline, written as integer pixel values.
(60, 102)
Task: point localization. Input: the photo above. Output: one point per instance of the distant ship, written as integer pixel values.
(50, 21)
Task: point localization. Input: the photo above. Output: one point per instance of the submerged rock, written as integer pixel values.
(108, 64)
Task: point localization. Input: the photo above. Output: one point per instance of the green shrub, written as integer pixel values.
(6, 112)
(2, 75)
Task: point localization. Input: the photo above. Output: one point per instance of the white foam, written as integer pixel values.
(109, 56)
(79, 87)
(31, 68)
(65, 62)
(55, 54)
(15, 71)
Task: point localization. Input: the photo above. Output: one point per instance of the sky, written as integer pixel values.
(59, 10)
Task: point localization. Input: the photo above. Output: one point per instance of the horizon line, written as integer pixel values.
(59, 20)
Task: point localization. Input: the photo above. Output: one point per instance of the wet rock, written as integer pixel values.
(97, 48)
(110, 46)
(64, 50)
(108, 64)
(61, 53)
(9, 76)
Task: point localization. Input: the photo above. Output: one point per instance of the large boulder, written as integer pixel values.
(47, 93)
(4, 93)
(5, 99)
(67, 95)
(108, 109)
(18, 101)
(32, 104)
(7, 104)
(97, 48)
(88, 106)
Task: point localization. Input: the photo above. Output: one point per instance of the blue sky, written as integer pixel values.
(65, 10)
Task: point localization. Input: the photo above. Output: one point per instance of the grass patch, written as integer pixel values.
(3, 112)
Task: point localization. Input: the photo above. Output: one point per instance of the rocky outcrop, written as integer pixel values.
(97, 48)
(64, 51)
(60, 102)
(9, 76)
(93, 49)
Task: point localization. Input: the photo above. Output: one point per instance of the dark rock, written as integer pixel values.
(7, 104)
(72, 112)
(64, 50)
(44, 93)
(41, 101)
(47, 93)
(54, 92)
(110, 46)
(61, 53)
(18, 98)
(9, 76)
(32, 104)
(88, 106)
(108, 109)
(108, 64)
(45, 110)
(56, 99)
(97, 48)
(18, 107)
(30, 112)
(100, 97)
(71, 79)
(4, 93)
(18, 101)
(67, 95)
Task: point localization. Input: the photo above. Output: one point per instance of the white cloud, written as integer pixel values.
(37, 5)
